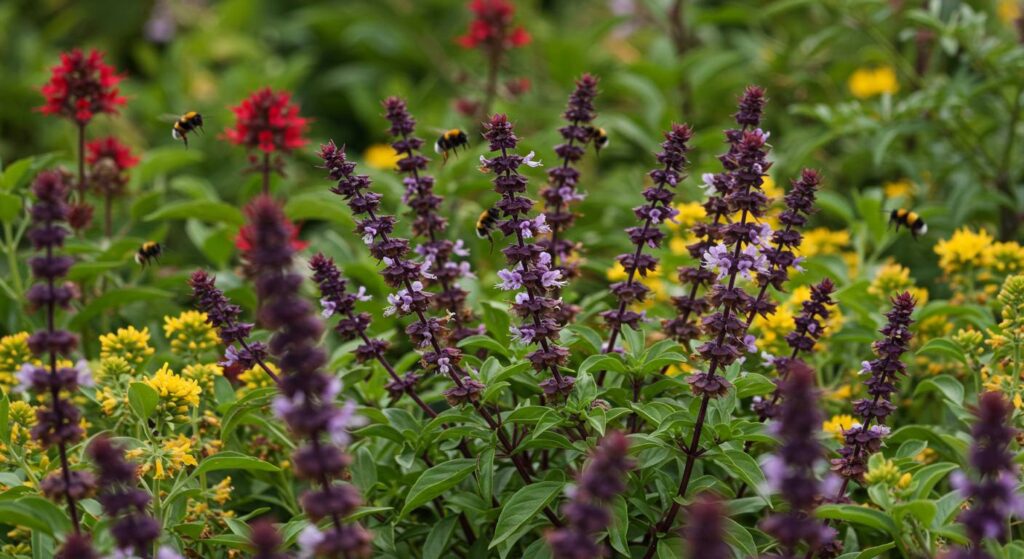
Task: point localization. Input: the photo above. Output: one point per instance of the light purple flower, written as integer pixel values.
(308, 539)
(328, 307)
(717, 260)
(510, 280)
(342, 422)
(83, 374)
(529, 162)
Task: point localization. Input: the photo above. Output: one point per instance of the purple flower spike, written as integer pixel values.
(133, 529)
(705, 529)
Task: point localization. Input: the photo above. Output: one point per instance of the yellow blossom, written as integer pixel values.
(1008, 11)
(177, 394)
(842, 392)
(14, 352)
(256, 377)
(190, 333)
(821, 241)
(679, 369)
(965, 249)
(771, 190)
(21, 417)
(926, 456)
(893, 278)
(689, 214)
(870, 82)
(677, 246)
(172, 456)
(887, 472)
(381, 156)
(128, 343)
(222, 491)
(837, 425)
(899, 188)
(905, 480)
(203, 373)
(1005, 258)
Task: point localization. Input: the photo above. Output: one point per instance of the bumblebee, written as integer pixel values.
(188, 122)
(600, 138)
(911, 220)
(486, 223)
(149, 252)
(451, 141)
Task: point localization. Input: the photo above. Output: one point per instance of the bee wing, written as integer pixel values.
(168, 117)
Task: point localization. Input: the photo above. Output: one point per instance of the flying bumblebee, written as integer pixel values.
(451, 141)
(149, 252)
(600, 138)
(486, 223)
(186, 123)
(903, 217)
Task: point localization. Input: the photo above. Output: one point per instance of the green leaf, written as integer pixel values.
(485, 342)
(944, 385)
(143, 399)
(364, 470)
(10, 206)
(436, 481)
(739, 538)
(618, 531)
(228, 460)
(36, 513)
(161, 161)
(922, 510)
(753, 384)
(437, 539)
(859, 515)
(113, 299)
(943, 347)
(744, 467)
(205, 210)
(319, 205)
(522, 508)
(929, 476)
(602, 363)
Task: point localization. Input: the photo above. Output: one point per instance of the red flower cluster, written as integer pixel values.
(244, 240)
(269, 121)
(492, 27)
(81, 87)
(110, 148)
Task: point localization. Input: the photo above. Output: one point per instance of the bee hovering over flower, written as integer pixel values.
(451, 141)
(184, 124)
(149, 252)
(909, 219)
(486, 223)
(600, 138)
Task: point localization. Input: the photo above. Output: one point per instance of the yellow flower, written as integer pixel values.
(177, 394)
(771, 190)
(926, 456)
(679, 369)
(256, 377)
(837, 425)
(190, 333)
(128, 343)
(822, 241)
(21, 419)
(842, 392)
(222, 491)
(381, 156)
(905, 480)
(898, 188)
(893, 278)
(203, 373)
(965, 249)
(689, 214)
(869, 82)
(677, 246)
(1008, 11)
(172, 456)
(14, 352)
(887, 472)
(1005, 258)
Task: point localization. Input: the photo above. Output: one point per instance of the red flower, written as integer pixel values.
(243, 241)
(268, 121)
(81, 87)
(492, 27)
(110, 148)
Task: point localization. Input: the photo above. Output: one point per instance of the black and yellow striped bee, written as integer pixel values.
(186, 123)
(149, 252)
(600, 138)
(911, 220)
(486, 223)
(451, 141)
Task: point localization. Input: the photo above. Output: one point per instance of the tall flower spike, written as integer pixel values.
(81, 87)
(810, 326)
(437, 251)
(587, 510)
(705, 529)
(265, 540)
(993, 496)
(561, 192)
(686, 326)
(791, 472)
(657, 210)
(863, 439)
(529, 270)
(269, 122)
(307, 394)
(222, 314)
(57, 423)
(133, 530)
(109, 161)
(737, 255)
(336, 300)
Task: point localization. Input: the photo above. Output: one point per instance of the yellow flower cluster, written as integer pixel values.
(821, 241)
(172, 456)
(14, 352)
(870, 82)
(177, 394)
(256, 377)
(203, 373)
(1009, 11)
(189, 333)
(837, 424)
(964, 250)
(892, 278)
(771, 331)
(887, 472)
(381, 156)
(127, 343)
(900, 188)
(976, 263)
